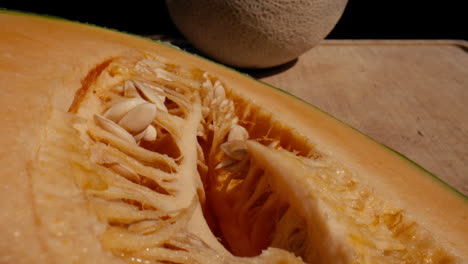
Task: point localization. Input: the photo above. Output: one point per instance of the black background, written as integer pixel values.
(362, 19)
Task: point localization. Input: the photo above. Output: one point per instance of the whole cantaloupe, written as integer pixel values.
(255, 34)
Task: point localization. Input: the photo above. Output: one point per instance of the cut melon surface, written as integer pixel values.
(116, 149)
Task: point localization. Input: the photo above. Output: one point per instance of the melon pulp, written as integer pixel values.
(300, 186)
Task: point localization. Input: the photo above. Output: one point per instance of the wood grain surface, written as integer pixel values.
(409, 95)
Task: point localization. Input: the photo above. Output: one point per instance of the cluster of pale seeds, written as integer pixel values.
(223, 122)
(234, 147)
(131, 119)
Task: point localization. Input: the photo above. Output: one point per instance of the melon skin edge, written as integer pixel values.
(444, 210)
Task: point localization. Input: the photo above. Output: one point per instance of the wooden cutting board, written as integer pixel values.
(409, 95)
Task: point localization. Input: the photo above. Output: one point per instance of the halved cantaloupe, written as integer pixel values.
(118, 149)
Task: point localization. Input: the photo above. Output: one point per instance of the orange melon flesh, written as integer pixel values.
(44, 62)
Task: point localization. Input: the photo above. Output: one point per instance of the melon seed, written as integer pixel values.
(151, 95)
(113, 128)
(238, 133)
(117, 111)
(151, 133)
(235, 149)
(129, 90)
(137, 119)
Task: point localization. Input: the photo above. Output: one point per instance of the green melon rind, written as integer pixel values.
(403, 157)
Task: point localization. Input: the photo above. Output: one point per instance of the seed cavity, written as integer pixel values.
(242, 193)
